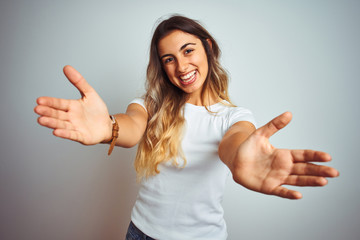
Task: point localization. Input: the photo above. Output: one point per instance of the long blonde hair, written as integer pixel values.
(165, 102)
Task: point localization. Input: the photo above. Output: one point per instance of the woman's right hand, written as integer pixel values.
(85, 120)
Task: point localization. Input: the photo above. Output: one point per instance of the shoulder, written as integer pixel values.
(139, 101)
(236, 114)
(232, 110)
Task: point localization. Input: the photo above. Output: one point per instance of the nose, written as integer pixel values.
(182, 65)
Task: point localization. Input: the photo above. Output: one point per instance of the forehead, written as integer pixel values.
(175, 40)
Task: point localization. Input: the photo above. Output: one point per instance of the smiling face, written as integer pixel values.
(185, 62)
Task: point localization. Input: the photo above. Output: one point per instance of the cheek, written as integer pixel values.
(170, 74)
(166, 72)
(204, 64)
(201, 60)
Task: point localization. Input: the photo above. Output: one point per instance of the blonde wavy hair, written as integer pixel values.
(165, 102)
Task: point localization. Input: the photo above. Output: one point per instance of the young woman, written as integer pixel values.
(190, 138)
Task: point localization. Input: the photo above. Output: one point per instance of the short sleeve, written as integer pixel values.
(139, 101)
(238, 114)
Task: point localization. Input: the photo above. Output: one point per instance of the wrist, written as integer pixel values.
(114, 133)
(109, 135)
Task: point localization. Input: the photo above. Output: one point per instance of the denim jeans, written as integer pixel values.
(134, 233)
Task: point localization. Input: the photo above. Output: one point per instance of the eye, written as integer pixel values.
(168, 60)
(189, 50)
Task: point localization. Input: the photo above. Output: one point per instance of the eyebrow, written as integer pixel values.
(182, 47)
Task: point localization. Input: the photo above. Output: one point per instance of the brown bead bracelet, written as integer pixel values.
(115, 134)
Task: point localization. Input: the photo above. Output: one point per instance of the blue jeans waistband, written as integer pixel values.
(134, 233)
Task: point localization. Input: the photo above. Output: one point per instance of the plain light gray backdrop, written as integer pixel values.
(301, 56)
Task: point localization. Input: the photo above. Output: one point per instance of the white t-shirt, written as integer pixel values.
(185, 203)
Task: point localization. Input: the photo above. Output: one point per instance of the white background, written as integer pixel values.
(301, 56)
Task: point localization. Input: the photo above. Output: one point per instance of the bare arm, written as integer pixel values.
(86, 120)
(132, 125)
(231, 141)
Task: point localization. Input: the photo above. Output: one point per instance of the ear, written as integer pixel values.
(209, 42)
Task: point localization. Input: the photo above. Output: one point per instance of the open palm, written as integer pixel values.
(261, 167)
(85, 120)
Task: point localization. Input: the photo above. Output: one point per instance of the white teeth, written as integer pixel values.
(188, 76)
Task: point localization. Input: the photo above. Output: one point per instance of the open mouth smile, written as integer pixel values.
(188, 78)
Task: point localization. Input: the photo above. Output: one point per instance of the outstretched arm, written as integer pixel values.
(259, 166)
(86, 120)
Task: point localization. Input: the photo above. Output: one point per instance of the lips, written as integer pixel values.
(188, 78)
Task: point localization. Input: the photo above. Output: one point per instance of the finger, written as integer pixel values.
(302, 181)
(68, 134)
(54, 123)
(50, 112)
(275, 125)
(56, 103)
(310, 156)
(283, 192)
(77, 80)
(313, 170)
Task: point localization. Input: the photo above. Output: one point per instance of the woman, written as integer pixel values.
(190, 138)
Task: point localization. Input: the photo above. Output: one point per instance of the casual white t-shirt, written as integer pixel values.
(185, 203)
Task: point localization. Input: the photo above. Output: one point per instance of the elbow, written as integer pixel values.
(221, 151)
(127, 144)
(225, 154)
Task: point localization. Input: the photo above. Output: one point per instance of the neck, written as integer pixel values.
(208, 100)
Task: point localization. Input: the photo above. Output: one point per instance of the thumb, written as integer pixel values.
(275, 125)
(77, 80)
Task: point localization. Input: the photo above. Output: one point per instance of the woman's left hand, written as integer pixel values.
(261, 167)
